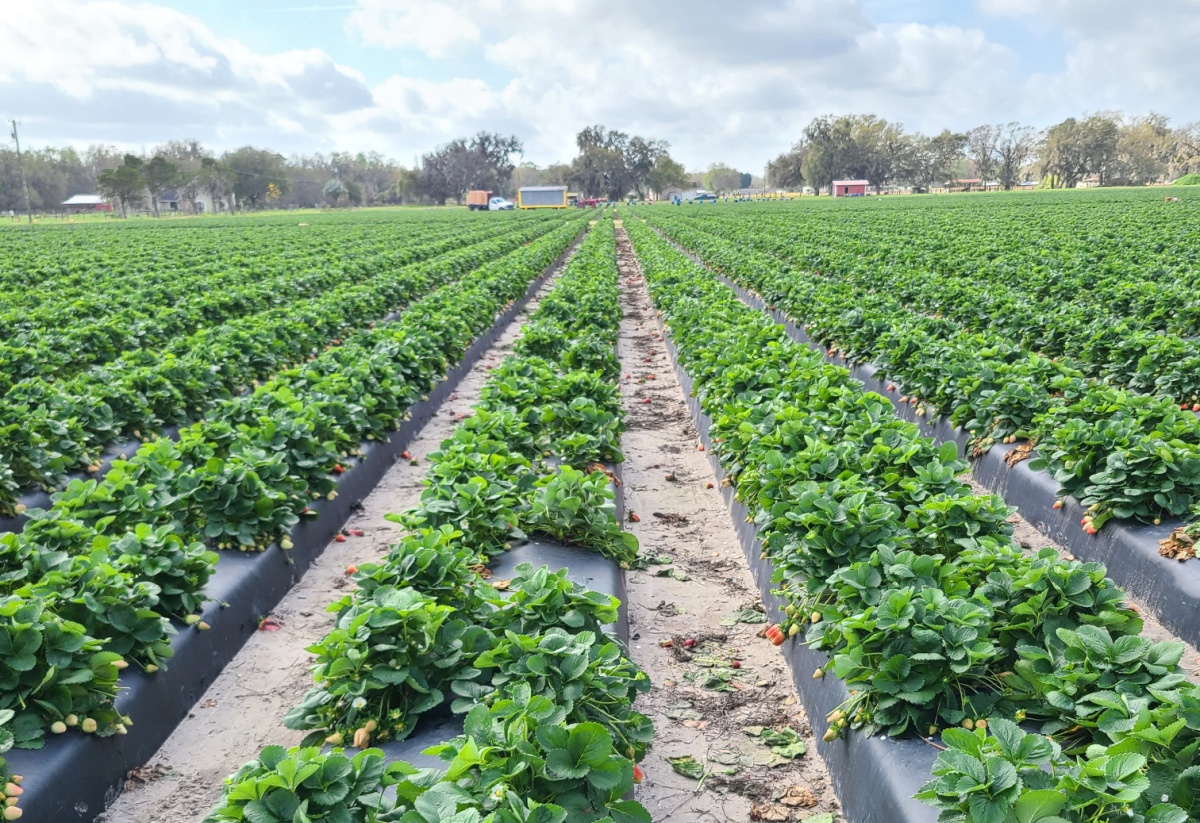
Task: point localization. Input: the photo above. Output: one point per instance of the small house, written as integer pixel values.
(82, 203)
(169, 200)
(849, 188)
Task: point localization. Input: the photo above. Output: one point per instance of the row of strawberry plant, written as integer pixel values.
(489, 482)
(88, 585)
(1121, 453)
(48, 428)
(1105, 337)
(913, 585)
(87, 325)
(86, 270)
(549, 733)
(1120, 253)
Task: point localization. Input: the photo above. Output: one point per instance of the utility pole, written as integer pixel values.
(21, 166)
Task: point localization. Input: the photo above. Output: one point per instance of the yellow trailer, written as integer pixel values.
(542, 197)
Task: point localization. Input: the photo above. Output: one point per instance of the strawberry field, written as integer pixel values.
(253, 409)
(1059, 326)
(194, 413)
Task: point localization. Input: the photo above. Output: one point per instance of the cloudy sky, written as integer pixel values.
(721, 81)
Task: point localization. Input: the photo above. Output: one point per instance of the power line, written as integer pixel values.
(21, 166)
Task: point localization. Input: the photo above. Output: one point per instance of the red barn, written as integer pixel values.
(850, 188)
(82, 203)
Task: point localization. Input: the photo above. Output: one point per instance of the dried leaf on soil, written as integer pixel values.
(800, 796)
(744, 615)
(682, 711)
(769, 811)
(687, 766)
(785, 743)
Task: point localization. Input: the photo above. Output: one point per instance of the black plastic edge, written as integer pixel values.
(244, 588)
(1128, 549)
(874, 777)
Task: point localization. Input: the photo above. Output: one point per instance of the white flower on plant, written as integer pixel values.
(498, 793)
(359, 702)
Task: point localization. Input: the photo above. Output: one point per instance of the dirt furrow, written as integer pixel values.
(722, 696)
(243, 710)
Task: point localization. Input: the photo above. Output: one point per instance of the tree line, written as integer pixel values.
(609, 164)
(1108, 148)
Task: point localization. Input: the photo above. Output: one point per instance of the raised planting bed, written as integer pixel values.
(1129, 550)
(547, 693)
(245, 587)
(585, 567)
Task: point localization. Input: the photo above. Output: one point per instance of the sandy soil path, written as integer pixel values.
(699, 588)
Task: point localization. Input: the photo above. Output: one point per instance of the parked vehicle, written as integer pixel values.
(478, 200)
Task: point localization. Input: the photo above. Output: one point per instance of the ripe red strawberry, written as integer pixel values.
(339, 538)
(339, 469)
(634, 518)
(638, 774)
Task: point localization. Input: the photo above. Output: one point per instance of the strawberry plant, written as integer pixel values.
(520, 746)
(281, 786)
(390, 656)
(53, 672)
(577, 508)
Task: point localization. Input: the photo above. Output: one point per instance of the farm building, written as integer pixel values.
(198, 202)
(169, 200)
(542, 197)
(849, 188)
(82, 203)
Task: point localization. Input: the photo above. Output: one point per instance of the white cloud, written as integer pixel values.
(135, 74)
(432, 27)
(722, 82)
(1135, 57)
